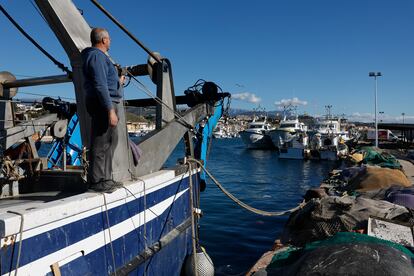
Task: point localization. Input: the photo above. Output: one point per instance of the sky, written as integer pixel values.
(311, 53)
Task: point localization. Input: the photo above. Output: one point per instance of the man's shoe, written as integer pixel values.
(102, 187)
(113, 183)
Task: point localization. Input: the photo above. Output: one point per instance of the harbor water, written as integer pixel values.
(233, 237)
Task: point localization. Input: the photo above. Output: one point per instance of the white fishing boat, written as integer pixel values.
(219, 132)
(329, 140)
(256, 136)
(287, 130)
(295, 148)
(49, 223)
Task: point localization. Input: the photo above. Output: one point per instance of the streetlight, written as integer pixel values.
(375, 75)
(403, 114)
(381, 116)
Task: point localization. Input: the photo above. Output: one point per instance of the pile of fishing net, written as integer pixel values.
(323, 217)
(364, 178)
(374, 156)
(325, 236)
(342, 254)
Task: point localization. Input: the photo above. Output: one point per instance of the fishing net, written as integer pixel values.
(375, 156)
(343, 254)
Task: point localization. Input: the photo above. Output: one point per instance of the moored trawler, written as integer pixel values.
(328, 139)
(256, 136)
(286, 131)
(295, 148)
(50, 224)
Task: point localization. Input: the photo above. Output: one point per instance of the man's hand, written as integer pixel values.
(113, 118)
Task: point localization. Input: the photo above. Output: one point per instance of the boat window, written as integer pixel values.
(288, 125)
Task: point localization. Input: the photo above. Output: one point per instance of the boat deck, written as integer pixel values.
(32, 200)
(41, 208)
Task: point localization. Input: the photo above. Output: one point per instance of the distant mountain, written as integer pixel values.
(238, 111)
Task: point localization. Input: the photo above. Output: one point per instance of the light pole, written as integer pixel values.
(375, 75)
(403, 114)
(328, 111)
(381, 116)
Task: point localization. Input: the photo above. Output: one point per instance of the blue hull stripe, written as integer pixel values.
(100, 262)
(46, 243)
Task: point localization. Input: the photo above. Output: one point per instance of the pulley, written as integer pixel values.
(59, 129)
(7, 92)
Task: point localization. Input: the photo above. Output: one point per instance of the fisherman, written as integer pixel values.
(103, 91)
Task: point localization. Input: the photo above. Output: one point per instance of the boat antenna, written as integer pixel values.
(23, 32)
(122, 27)
(328, 111)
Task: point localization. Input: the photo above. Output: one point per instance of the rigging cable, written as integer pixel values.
(114, 20)
(38, 11)
(160, 101)
(23, 32)
(45, 95)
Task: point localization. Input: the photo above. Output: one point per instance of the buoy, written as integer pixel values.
(204, 264)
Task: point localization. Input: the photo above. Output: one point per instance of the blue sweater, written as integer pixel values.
(101, 78)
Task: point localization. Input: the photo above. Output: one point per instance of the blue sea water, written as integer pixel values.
(233, 237)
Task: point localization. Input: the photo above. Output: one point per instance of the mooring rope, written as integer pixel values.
(21, 239)
(109, 232)
(241, 203)
(193, 235)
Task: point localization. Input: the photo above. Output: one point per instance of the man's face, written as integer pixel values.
(107, 42)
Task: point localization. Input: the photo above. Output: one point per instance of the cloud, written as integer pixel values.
(246, 96)
(294, 102)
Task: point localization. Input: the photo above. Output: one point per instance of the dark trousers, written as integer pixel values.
(103, 141)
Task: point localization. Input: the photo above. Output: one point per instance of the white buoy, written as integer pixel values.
(204, 265)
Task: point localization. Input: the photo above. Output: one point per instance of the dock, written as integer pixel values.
(370, 225)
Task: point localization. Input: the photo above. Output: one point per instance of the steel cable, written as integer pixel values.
(23, 32)
(159, 101)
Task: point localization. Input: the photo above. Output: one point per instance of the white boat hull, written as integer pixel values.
(256, 141)
(292, 153)
(279, 137)
(331, 155)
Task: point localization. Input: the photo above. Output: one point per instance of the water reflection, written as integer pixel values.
(234, 237)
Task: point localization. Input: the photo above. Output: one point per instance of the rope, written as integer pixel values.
(45, 95)
(145, 226)
(23, 32)
(21, 240)
(9, 170)
(159, 101)
(110, 236)
(242, 204)
(149, 209)
(193, 236)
